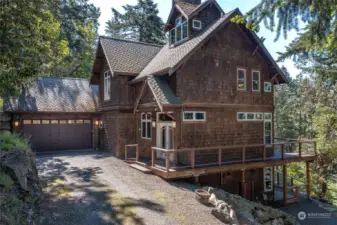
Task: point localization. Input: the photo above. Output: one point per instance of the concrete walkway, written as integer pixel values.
(92, 188)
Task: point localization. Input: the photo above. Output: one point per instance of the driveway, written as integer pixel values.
(92, 188)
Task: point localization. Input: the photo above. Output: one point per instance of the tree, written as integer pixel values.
(139, 22)
(28, 32)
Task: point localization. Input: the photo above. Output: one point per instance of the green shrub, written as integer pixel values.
(12, 142)
(6, 182)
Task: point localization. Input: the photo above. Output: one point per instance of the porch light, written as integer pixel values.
(153, 124)
(174, 124)
(96, 122)
(16, 123)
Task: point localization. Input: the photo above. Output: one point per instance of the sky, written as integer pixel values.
(164, 7)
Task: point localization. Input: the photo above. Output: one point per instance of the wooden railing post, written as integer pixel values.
(126, 152)
(285, 189)
(243, 155)
(153, 157)
(308, 179)
(264, 153)
(282, 151)
(137, 153)
(192, 155)
(300, 149)
(219, 157)
(315, 148)
(167, 161)
(278, 177)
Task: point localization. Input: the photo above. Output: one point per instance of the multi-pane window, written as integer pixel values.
(250, 116)
(107, 85)
(146, 125)
(267, 87)
(194, 116)
(241, 77)
(180, 32)
(196, 24)
(256, 80)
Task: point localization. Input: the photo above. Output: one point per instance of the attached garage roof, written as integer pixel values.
(53, 94)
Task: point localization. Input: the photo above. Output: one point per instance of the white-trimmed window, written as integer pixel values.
(256, 80)
(107, 85)
(267, 87)
(250, 116)
(241, 77)
(268, 179)
(196, 24)
(194, 116)
(180, 32)
(146, 124)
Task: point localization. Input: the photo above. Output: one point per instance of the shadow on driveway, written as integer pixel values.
(73, 195)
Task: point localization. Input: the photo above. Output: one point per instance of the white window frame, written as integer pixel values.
(194, 22)
(179, 19)
(181, 27)
(107, 85)
(194, 116)
(148, 122)
(237, 78)
(259, 80)
(264, 87)
(267, 180)
(246, 116)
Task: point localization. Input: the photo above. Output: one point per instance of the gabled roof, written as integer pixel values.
(169, 59)
(127, 56)
(54, 94)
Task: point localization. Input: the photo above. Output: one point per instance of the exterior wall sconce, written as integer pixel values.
(96, 122)
(16, 123)
(153, 124)
(101, 124)
(174, 124)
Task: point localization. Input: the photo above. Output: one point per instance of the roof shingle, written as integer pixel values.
(128, 56)
(53, 94)
(162, 91)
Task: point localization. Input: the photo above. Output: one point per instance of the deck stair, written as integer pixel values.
(140, 168)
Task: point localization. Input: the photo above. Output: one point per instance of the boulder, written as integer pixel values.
(225, 213)
(261, 216)
(213, 199)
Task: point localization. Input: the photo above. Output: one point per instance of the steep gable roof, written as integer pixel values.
(54, 94)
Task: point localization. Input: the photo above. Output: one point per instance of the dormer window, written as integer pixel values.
(180, 32)
(196, 24)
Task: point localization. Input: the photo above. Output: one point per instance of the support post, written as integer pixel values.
(243, 182)
(300, 149)
(273, 183)
(282, 151)
(192, 155)
(153, 157)
(278, 177)
(285, 189)
(308, 179)
(167, 161)
(219, 157)
(137, 153)
(243, 155)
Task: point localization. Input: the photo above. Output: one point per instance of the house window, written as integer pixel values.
(194, 116)
(268, 179)
(146, 125)
(250, 116)
(27, 122)
(36, 121)
(241, 74)
(256, 80)
(45, 121)
(196, 24)
(267, 87)
(180, 32)
(107, 85)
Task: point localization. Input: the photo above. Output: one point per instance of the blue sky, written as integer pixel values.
(164, 7)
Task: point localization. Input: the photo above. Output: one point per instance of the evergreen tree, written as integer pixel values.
(139, 22)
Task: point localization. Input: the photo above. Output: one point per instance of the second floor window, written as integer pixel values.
(256, 80)
(241, 78)
(107, 85)
(180, 32)
(146, 124)
(196, 24)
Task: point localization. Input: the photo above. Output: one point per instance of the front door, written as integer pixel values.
(164, 138)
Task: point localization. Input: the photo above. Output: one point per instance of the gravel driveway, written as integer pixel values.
(82, 188)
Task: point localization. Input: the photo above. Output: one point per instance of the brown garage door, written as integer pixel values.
(56, 135)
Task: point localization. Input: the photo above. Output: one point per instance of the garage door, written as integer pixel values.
(56, 135)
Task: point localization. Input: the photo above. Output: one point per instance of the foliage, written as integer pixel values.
(6, 182)
(28, 32)
(14, 142)
(13, 211)
(1, 104)
(139, 22)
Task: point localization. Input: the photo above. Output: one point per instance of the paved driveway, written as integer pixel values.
(83, 188)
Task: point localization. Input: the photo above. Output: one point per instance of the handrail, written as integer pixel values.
(137, 152)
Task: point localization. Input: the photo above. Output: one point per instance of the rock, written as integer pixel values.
(278, 222)
(225, 213)
(261, 216)
(246, 218)
(274, 213)
(213, 199)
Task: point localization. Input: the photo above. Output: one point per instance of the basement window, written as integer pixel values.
(146, 124)
(268, 179)
(194, 116)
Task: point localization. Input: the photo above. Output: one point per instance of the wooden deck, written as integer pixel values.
(168, 169)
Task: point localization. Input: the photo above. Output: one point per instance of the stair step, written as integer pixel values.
(140, 168)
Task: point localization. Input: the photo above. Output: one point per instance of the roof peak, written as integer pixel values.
(130, 41)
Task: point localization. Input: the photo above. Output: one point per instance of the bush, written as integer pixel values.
(6, 182)
(13, 142)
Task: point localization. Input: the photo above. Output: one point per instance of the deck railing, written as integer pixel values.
(239, 154)
(135, 153)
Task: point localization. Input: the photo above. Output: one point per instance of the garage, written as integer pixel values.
(56, 135)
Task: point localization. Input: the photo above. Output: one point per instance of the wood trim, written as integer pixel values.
(140, 96)
(211, 105)
(157, 100)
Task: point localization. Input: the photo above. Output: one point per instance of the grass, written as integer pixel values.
(14, 142)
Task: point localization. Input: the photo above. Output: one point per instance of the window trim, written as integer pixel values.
(246, 116)
(268, 180)
(107, 85)
(259, 81)
(148, 122)
(264, 87)
(196, 27)
(181, 26)
(194, 116)
(245, 79)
